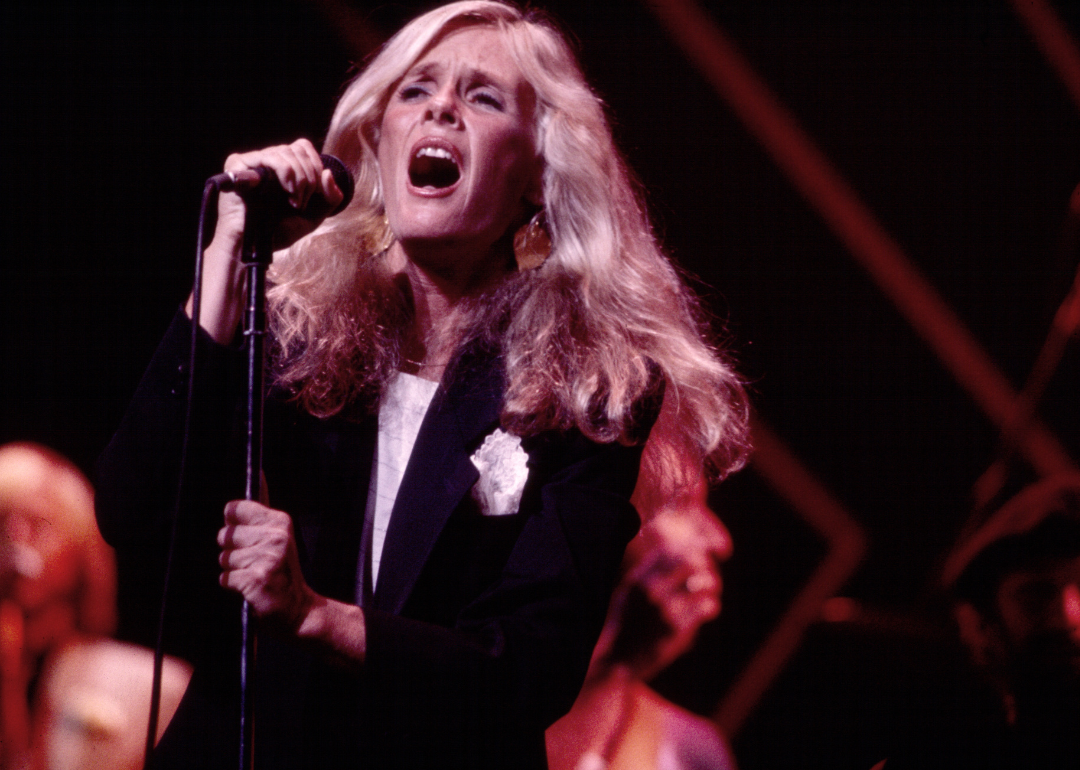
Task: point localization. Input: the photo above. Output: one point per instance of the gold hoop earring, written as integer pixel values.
(384, 236)
(532, 242)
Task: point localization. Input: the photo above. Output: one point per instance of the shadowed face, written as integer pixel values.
(1039, 612)
(456, 151)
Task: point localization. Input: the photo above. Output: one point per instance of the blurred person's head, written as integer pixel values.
(1016, 582)
(54, 566)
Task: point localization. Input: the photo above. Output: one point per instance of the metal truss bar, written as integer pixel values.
(847, 547)
(1054, 40)
(716, 57)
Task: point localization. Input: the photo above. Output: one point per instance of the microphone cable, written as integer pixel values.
(272, 198)
(210, 192)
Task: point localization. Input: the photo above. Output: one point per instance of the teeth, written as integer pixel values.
(434, 152)
(434, 166)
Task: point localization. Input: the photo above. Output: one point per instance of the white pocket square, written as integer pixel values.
(503, 467)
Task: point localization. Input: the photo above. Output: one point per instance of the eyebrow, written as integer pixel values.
(430, 69)
(422, 69)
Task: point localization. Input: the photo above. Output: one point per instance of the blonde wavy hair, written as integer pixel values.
(584, 336)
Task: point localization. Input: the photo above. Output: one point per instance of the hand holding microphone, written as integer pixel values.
(290, 185)
(286, 189)
(294, 187)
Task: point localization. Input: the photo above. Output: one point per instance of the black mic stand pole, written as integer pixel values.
(256, 256)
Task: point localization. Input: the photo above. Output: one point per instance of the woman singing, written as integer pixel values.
(466, 362)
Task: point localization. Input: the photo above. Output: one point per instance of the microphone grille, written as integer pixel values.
(342, 178)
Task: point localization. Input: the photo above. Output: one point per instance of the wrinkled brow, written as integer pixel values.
(472, 75)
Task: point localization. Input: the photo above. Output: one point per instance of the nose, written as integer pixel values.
(443, 108)
(720, 543)
(713, 549)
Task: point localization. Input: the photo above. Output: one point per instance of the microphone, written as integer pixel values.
(259, 187)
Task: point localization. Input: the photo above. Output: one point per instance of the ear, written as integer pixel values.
(978, 635)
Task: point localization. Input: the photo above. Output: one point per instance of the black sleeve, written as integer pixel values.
(137, 483)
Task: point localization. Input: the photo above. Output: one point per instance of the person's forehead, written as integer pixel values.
(484, 48)
(31, 509)
(689, 527)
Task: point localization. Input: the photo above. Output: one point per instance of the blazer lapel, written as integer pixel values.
(334, 540)
(438, 476)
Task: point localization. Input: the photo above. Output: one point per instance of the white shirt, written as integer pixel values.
(400, 414)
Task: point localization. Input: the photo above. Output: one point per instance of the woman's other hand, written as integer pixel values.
(259, 561)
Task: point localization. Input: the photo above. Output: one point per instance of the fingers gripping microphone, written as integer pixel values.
(260, 188)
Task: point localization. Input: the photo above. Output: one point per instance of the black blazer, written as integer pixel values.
(480, 628)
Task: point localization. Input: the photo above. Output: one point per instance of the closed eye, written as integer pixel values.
(412, 91)
(488, 99)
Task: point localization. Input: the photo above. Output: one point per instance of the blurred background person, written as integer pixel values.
(92, 705)
(1017, 587)
(57, 577)
(670, 587)
(71, 698)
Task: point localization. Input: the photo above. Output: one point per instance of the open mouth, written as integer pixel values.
(433, 167)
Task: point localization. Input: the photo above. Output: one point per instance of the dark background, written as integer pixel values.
(944, 117)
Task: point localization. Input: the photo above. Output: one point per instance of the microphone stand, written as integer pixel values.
(255, 256)
(267, 204)
(265, 208)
